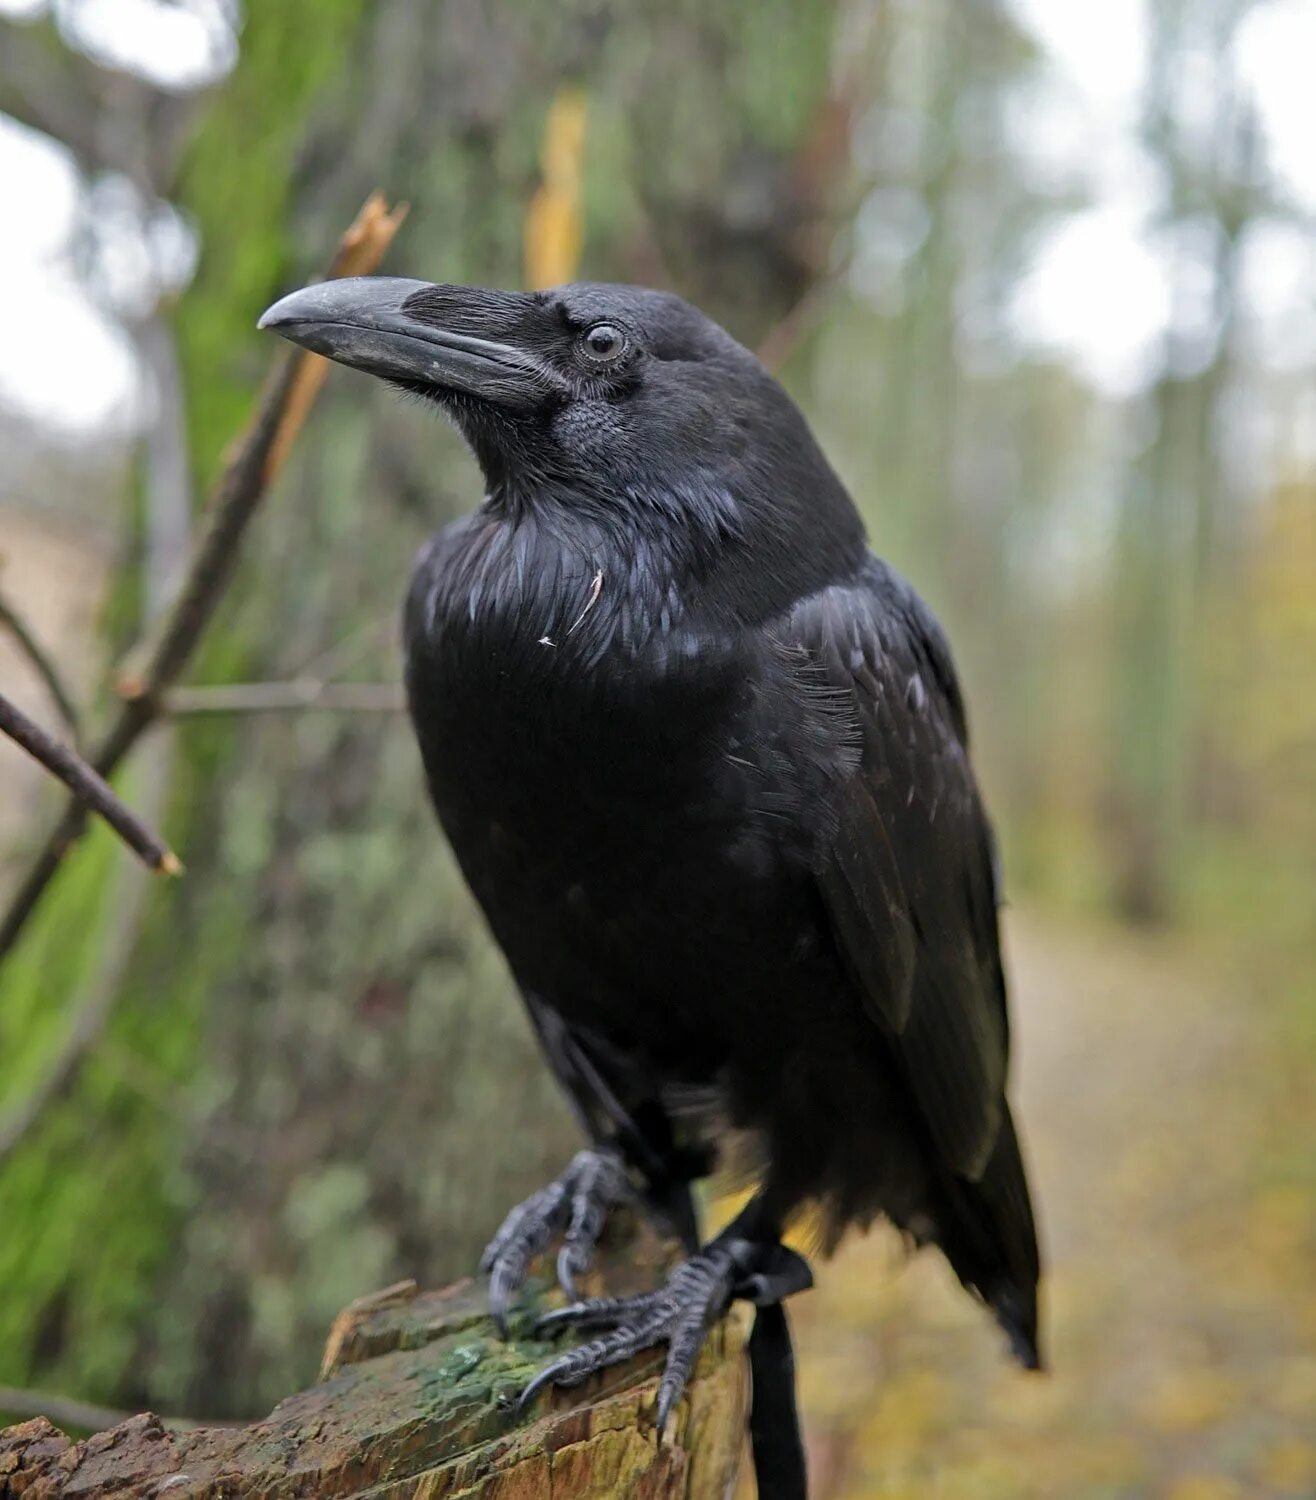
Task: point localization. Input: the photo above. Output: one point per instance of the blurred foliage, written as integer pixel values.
(318, 1078)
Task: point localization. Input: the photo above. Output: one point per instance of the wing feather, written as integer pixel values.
(907, 868)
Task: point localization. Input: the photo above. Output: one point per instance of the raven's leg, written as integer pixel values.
(745, 1260)
(575, 1206)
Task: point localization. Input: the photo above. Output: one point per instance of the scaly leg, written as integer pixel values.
(697, 1293)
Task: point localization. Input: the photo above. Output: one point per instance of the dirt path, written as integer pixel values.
(1179, 1225)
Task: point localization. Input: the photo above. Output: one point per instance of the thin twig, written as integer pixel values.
(91, 790)
(251, 467)
(66, 1411)
(287, 697)
(41, 663)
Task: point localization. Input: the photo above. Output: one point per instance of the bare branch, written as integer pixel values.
(63, 1411)
(287, 697)
(41, 663)
(251, 467)
(67, 1411)
(91, 790)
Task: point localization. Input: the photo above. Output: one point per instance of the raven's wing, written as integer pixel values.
(906, 866)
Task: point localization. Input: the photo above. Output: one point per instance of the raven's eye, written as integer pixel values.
(603, 342)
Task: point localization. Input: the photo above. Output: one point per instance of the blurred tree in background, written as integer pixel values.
(313, 1075)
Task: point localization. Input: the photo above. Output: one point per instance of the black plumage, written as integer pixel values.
(703, 760)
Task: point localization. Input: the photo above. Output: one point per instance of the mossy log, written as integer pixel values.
(417, 1401)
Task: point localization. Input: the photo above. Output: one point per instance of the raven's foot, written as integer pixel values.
(576, 1206)
(679, 1314)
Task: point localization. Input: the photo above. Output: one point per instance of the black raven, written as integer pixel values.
(702, 757)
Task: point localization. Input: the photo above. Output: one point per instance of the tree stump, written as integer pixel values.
(417, 1398)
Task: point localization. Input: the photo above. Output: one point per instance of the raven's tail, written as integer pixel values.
(987, 1232)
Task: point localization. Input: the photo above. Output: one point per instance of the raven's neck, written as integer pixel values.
(683, 548)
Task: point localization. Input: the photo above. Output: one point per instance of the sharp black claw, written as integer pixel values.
(501, 1288)
(665, 1404)
(527, 1396)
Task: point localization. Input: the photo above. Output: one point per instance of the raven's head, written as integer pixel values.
(589, 387)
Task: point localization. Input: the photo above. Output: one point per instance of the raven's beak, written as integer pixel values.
(362, 321)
